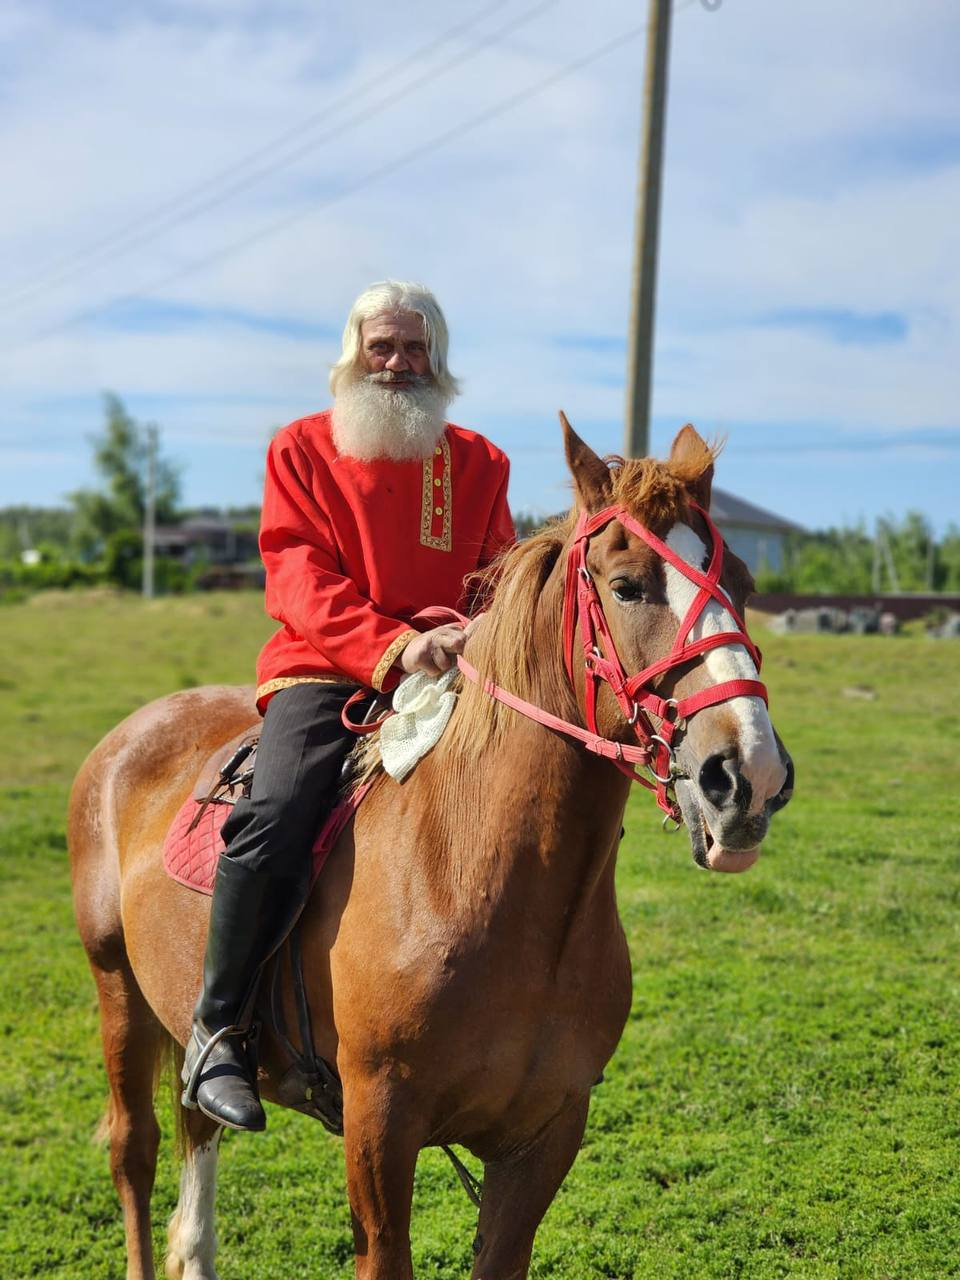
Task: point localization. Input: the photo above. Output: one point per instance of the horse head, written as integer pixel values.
(668, 597)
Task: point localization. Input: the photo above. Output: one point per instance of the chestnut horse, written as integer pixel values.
(467, 970)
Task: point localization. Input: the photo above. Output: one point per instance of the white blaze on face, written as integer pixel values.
(759, 757)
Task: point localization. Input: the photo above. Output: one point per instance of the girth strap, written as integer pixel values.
(322, 1092)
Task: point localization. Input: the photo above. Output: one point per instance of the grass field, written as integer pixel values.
(785, 1098)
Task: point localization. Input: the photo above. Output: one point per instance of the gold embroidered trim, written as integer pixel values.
(444, 541)
(284, 682)
(390, 655)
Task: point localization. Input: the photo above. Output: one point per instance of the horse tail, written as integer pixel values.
(101, 1135)
(166, 1071)
(170, 1064)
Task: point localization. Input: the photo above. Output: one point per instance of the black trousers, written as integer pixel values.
(302, 748)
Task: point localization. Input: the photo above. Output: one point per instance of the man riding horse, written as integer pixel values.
(371, 512)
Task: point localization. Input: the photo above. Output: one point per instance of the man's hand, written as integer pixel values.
(436, 651)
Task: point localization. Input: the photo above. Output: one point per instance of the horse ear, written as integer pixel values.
(691, 459)
(591, 475)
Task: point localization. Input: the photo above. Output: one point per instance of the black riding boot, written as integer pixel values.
(250, 916)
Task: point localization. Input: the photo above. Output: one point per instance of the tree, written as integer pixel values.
(948, 561)
(911, 546)
(121, 458)
(845, 560)
(832, 560)
(22, 527)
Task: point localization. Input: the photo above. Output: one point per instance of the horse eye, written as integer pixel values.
(627, 590)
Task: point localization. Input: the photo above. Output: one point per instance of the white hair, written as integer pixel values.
(390, 297)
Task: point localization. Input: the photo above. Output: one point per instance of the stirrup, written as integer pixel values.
(188, 1098)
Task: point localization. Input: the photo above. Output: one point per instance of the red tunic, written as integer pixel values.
(354, 549)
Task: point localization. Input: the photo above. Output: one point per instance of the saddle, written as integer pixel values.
(220, 779)
(194, 841)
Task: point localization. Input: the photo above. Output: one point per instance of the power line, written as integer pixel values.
(165, 216)
(371, 176)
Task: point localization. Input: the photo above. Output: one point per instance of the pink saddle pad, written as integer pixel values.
(190, 857)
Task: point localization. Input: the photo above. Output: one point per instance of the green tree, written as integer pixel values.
(911, 547)
(23, 526)
(120, 457)
(123, 558)
(842, 560)
(527, 522)
(947, 568)
(832, 560)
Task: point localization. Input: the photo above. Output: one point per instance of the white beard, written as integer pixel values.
(372, 420)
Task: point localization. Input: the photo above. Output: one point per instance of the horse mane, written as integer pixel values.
(658, 492)
(503, 648)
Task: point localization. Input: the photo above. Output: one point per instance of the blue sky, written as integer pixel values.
(201, 189)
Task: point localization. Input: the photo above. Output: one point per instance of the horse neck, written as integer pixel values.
(536, 816)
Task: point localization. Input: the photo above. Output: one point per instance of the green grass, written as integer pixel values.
(784, 1102)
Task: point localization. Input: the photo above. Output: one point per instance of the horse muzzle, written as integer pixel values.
(716, 804)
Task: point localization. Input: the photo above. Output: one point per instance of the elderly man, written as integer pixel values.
(371, 512)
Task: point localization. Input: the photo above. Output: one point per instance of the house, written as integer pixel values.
(757, 536)
(225, 551)
(208, 540)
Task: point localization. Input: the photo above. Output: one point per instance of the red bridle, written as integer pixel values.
(634, 694)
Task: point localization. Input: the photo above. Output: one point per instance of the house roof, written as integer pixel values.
(208, 524)
(729, 510)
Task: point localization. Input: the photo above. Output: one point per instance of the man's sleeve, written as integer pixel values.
(306, 587)
(500, 531)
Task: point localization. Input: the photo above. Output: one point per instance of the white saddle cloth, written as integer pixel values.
(422, 706)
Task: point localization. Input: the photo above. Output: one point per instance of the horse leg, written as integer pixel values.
(191, 1236)
(517, 1192)
(132, 1042)
(381, 1147)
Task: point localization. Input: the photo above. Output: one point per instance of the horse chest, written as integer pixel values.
(518, 1035)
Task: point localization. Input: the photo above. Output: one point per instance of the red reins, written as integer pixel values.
(637, 699)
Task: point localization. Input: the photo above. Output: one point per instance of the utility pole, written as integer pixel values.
(644, 290)
(150, 512)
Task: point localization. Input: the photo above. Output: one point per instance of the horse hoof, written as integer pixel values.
(173, 1266)
(176, 1267)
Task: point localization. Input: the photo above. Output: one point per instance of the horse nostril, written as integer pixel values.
(717, 780)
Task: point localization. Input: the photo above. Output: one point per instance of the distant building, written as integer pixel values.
(227, 549)
(755, 535)
(207, 540)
